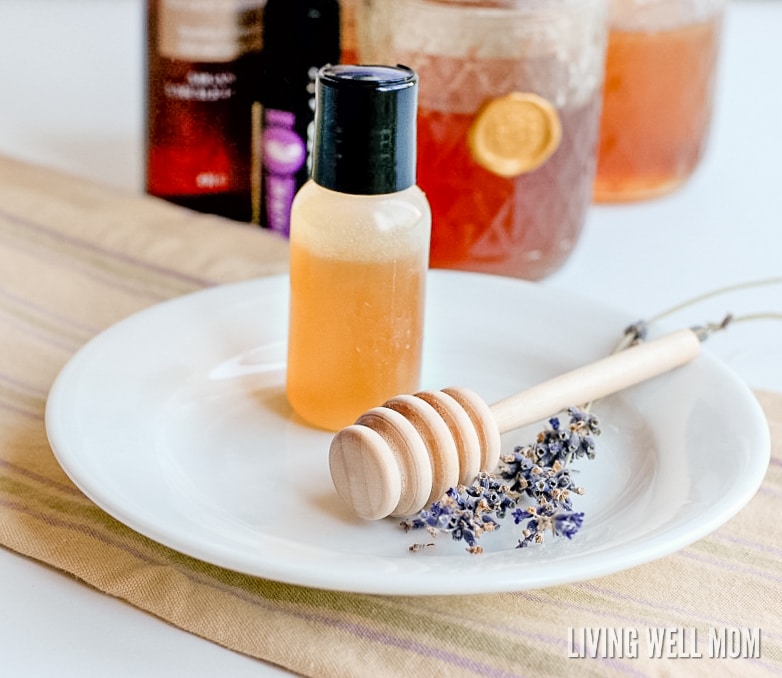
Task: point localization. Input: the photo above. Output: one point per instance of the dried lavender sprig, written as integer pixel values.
(537, 472)
(466, 512)
(539, 521)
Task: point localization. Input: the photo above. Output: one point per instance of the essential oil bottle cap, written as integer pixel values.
(365, 129)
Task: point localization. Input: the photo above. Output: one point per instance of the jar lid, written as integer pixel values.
(365, 129)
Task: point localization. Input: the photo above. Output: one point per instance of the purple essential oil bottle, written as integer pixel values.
(300, 36)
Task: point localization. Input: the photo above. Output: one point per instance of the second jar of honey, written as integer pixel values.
(660, 73)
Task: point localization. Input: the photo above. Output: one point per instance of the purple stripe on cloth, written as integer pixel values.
(48, 312)
(40, 479)
(420, 649)
(358, 630)
(666, 607)
(767, 489)
(35, 416)
(32, 390)
(87, 530)
(109, 253)
(580, 607)
(757, 546)
(731, 567)
(646, 602)
(74, 265)
(556, 641)
(12, 321)
(614, 663)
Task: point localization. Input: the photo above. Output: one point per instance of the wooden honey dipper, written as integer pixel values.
(397, 458)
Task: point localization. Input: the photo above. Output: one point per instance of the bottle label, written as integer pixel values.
(215, 31)
(202, 86)
(284, 154)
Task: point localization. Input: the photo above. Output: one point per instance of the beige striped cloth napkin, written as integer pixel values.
(75, 258)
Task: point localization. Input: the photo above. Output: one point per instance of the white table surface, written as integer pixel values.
(71, 97)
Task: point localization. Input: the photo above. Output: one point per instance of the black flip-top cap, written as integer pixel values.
(365, 129)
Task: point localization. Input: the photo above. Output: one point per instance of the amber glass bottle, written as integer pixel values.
(202, 124)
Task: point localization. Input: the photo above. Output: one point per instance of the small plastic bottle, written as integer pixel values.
(360, 230)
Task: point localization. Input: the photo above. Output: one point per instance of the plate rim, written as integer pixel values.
(59, 391)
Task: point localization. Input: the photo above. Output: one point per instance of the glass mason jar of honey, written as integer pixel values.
(509, 104)
(660, 73)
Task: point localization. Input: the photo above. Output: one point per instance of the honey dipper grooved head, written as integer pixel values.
(365, 472)
(483, 422)
(409, 450)
(438, 440)
(465, 437)
(380, 465)
(401, 456)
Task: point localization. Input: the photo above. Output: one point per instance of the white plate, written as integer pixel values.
(175, 422)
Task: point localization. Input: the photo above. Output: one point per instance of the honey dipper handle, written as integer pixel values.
(604, 377)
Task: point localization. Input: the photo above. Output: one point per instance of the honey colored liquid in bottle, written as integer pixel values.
(203, 64)
(359, 238)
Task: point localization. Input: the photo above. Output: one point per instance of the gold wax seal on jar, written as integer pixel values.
(514, 134)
